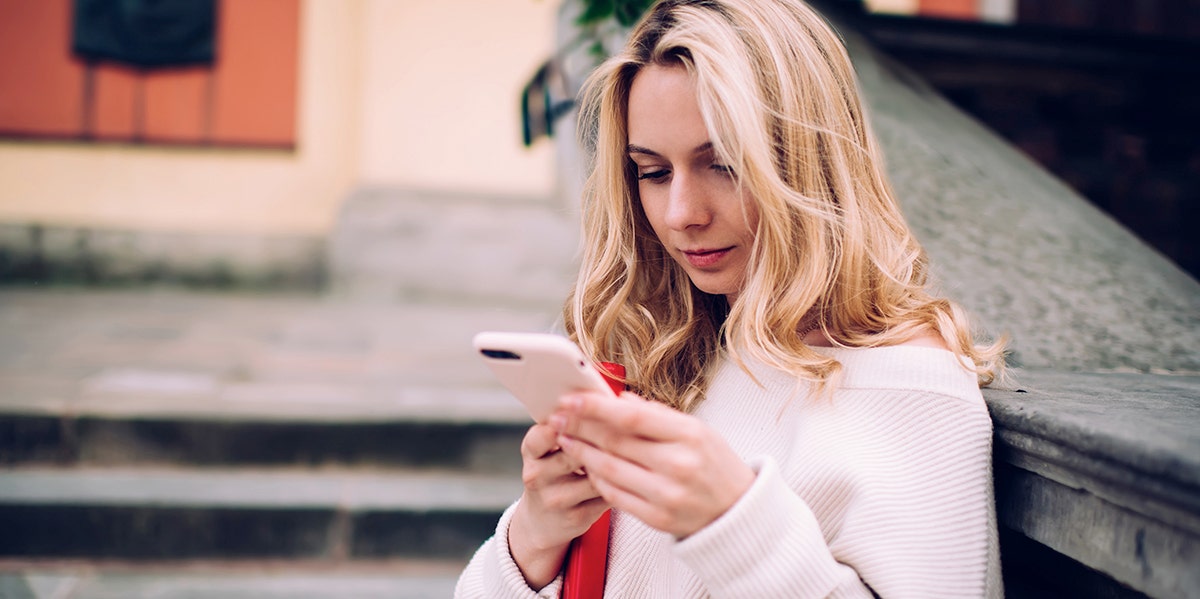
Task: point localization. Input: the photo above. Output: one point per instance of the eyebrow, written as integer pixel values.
(633, 149)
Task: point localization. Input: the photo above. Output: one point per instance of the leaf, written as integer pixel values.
(597, 50)
(628, 12)
(595, 11)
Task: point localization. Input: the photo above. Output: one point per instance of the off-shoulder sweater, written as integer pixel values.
(883, 487)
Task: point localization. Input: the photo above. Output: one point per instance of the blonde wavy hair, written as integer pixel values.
(832, 251)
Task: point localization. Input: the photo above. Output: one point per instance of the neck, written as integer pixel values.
(812, 335)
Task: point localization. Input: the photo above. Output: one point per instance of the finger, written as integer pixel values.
(670, 464)
(550, 469)
(647, 419)
(561, 464)
(629, 395)
(652, 515)
(570, 493)
(651, 483)
(595, 503)
(629, 476)
(539, 441)
(586, 513)
(623, 485)
(621, 443)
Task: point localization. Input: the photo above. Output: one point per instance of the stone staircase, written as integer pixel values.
(246, 507)
(400, 244)
(166, 438)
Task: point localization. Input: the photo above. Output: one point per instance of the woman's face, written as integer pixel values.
(690, 198)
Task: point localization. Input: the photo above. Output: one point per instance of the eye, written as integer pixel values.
(724, 169)
(655, 176)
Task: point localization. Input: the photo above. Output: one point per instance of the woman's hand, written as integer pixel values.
(558, 505)
(668, 469)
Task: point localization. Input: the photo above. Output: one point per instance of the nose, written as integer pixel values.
(687, 203)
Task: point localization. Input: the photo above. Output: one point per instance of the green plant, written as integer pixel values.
(601, 20)
(626, 12)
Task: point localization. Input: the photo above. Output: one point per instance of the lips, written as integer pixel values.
(705, 258)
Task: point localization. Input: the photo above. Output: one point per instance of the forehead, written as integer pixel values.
(663, 113)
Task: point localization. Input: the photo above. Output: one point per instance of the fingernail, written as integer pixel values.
(573, 402)
(558, 422)
(564, 442)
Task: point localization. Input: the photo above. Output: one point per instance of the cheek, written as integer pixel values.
(750, 216)
(752, 225)
(652, 213)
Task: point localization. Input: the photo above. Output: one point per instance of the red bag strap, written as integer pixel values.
(587, 558)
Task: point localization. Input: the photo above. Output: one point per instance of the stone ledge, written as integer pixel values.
(1105, 470)
(47, 254)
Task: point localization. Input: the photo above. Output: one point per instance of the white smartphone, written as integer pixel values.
(538, 368)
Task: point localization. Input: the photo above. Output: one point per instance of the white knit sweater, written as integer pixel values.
(886, 486)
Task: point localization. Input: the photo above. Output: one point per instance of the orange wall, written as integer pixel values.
(395, 93)
(247, 98)
(955, 9)
(42, 85)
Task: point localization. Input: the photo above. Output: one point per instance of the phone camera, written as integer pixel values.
(500, 354)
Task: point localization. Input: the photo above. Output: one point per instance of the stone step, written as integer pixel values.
(399, 244)
(113, 378)
(332, 514)
(376, 579)
(478, 442)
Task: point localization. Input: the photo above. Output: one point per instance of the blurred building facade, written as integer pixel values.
(239, 169)
(402, 159)
(1099, 92)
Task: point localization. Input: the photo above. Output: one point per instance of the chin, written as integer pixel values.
(715, 288)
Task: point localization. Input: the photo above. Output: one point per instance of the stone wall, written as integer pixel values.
(1098, 482)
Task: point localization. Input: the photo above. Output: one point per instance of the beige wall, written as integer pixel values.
(997, 11)
(391, 92)
(442, 84)
(903, 7)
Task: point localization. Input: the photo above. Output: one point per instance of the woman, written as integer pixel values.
(814, 425)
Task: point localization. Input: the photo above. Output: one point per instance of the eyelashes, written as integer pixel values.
(657, 176)
(654, 175)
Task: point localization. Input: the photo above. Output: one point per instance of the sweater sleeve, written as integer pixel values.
(493, 574)
(769, 544)
(885, 492)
